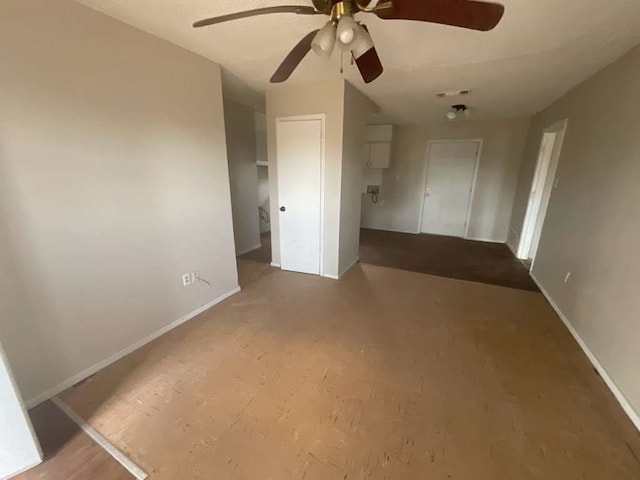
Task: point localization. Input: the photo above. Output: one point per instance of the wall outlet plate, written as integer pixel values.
(186, 279)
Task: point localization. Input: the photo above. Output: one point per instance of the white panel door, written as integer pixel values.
(450, 175)
(299, 154)
(19, 448)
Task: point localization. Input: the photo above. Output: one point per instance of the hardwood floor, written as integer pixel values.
(385, 374)
(491, 263)
(69, 453)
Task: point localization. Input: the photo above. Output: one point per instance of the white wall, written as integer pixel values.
(403, 183)
(19, 448)
(592, 225)
(243, 175)
(346, 111)
(289, 100)
(357, 109)
(113, 182)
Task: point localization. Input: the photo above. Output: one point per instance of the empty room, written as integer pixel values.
(319, 239)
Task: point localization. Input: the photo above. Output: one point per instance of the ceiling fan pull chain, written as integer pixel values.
(341, 62)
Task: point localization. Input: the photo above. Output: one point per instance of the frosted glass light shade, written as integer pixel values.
(324, 41)
(347, 33)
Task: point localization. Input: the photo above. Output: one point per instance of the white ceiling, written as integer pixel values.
(541, 49)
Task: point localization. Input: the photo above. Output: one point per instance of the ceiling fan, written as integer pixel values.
(353, 37)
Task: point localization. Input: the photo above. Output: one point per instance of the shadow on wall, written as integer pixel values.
(263, 199)
(20, 304)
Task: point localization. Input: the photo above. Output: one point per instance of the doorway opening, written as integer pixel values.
(541, 187)
(452, 168)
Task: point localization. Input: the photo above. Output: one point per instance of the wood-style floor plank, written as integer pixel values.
(385, 374)
(69, 453)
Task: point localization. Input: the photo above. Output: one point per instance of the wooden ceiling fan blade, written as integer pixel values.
(297, 9)
(472, 14)
(293, 59)
(369, 63)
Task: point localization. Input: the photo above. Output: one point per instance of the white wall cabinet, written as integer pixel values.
(378, 146)
(379, 133)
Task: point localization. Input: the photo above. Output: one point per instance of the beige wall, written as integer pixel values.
(403, 183)
(243, 175)
(290, 100)
(113, 182)
(357, 108)
(592, 227)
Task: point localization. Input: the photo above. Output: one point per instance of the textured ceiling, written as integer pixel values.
(541, 49)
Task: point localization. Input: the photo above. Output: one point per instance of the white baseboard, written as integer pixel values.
(624, 403)
(97, 437)
(390, 230)
(250, 249)
(273, 264)
(61, 387)
(348, 267)
(486, 240)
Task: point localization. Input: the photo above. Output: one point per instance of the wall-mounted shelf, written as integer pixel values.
(262, 164)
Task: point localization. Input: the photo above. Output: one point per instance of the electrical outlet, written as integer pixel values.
(195, 277)
(566, 277)
(186, 279)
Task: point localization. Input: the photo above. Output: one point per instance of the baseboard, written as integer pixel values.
(61, 387)
(345, 270)
(97, 437)
(390, 230)
(273, 264)
(486, 240)
(624, 403)
(250, 249)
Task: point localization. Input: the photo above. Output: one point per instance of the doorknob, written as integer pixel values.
(283, 209)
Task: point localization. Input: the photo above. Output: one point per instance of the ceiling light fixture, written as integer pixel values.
(325, 40)
(457, 110)
(348, 32)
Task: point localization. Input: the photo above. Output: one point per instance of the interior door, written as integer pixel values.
(299, 153)
(19, 448)
(450, 175)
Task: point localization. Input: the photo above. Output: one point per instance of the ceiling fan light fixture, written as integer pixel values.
(457, 110)
(362, 44)
(347, 32)
(324, 41)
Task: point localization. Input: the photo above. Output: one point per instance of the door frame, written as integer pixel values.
(294, 118)
(472, 193)
(531, 222)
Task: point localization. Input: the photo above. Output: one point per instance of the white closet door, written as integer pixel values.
(450, 174)
(19, 448)
(299, 157)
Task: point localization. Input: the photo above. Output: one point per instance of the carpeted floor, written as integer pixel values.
(451, 257)
(491, 263)
(385, 374)
(262, 254)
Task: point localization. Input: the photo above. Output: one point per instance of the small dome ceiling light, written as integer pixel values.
(457, 110)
